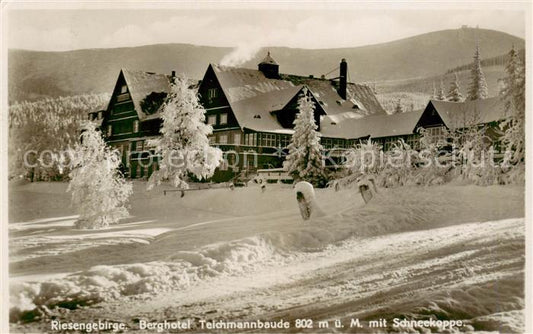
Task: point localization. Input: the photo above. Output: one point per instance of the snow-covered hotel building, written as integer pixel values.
(252, 113)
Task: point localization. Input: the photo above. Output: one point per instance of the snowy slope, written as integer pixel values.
(444, 245)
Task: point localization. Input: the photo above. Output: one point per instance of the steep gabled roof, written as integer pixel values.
(468, 113)
(256, 112)
(243, 83)
(353, 126)
(251, 94)
(141, 84)
(360, 98)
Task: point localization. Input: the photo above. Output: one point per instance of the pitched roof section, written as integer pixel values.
(462, 114)
(361, 98)
(352, 126)
(255, 113)
(141, 84)
(251, 94)
(243, 83)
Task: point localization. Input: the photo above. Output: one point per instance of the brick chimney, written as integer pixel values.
(343, 82)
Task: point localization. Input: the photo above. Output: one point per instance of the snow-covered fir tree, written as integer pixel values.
(478, 86)
(513, 93)
(398, 109)
(454, 93)
(184, 144)
(99, 191)
(440, 95)
(304, 161)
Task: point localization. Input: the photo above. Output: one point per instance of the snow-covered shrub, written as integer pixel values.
(435, 159)
(183, 145)
(304, 161)
(399, 165)
(99, 191)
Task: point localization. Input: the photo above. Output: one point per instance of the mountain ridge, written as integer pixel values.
(36, 74)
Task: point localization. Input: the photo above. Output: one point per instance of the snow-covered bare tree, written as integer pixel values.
(513, 93)
(304, 161)
(184, 144)
(440, 94)
(478, 86)
(99, 191)
(454, 93)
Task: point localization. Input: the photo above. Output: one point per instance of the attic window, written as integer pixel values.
(339, 102)
(333, 123)
(257, 116)
(123, 89)
(355, 106)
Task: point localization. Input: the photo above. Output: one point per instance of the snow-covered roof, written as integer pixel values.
(353, 126)
(461, 114)
(256, 112)
(360, 98)
(141, 84)
(252, 96)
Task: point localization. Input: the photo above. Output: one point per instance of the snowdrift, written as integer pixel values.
(405, 209)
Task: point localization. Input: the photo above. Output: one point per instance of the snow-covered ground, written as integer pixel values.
(449, 252)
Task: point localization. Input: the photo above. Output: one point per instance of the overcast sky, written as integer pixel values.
(318, 26)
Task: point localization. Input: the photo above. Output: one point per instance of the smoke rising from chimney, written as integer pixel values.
(241, 54)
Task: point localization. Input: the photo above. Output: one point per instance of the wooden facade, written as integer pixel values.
(252, 115)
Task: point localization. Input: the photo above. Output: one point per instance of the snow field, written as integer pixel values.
(277, 238)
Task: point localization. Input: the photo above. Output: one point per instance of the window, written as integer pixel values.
(327, 143)
(223, 118)
(212, 139)
(237, 138)
(109, 130)
(135, 126)
(212, 93)
(436, 133)
(222, 139)
(284, 141)
(212, 119)
(268, 140)
(123, 89)
(139, 146)
(250, 139)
